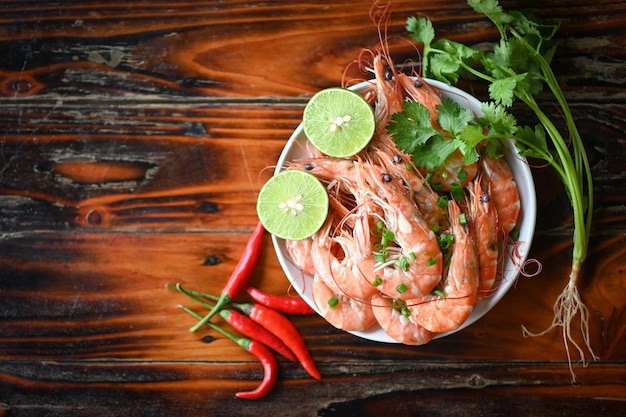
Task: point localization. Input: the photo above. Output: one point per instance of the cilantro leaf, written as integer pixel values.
(457, 50)
(502, 90)
(468, 140)
(411, 127)
(450, 58)
(444, 68)
(434, 153)
(530, 25)
(512, 55)
(532, 142)
(421, 29)
(497, 119)
(452, 117)
(493, 11)
(413, 132)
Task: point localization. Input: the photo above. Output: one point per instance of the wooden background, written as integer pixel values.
(134, 137)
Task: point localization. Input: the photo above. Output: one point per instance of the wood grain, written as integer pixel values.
(172, 166)
(183, 389)
(134, 139)
(198, 49)
(106, 293)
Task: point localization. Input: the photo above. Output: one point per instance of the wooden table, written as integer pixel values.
(134, 139)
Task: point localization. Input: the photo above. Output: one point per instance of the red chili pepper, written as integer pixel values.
(240, 276)
(270, 366)
(255, 331)
(284, 304)
(280, 325)
(240, 322)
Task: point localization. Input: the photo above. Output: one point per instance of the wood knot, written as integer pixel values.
(94, 218)
(476, 381)
(212, 260)
(21, 86)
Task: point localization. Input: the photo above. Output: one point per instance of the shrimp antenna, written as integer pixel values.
(380, 14)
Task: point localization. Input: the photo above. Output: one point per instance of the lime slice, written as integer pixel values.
(338, 122)
(292, 205)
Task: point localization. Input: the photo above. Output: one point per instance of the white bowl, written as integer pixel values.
(526, 223)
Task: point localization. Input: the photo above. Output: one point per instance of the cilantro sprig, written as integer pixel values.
(429, 146)
(516, 68)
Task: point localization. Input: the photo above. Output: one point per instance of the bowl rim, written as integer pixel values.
(526, 224)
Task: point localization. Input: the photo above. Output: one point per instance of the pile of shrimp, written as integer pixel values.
(392, 251)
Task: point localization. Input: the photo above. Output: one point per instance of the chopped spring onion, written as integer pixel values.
(456, 190)
(403, 264)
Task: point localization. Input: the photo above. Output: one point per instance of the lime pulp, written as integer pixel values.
(293, 205)
(338, 122)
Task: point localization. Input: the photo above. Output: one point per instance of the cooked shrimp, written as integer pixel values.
(445, 313)
(419, 90)
(343, 312)
(498, 177)
(412, 263)
(452, 171)
(389, 94)
(327, 168)
(392, 89)
(300, 253)
(401, 328)
(399, 165)
(343, 262)
(484, 232)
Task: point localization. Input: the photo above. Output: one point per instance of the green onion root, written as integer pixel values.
(566, 307)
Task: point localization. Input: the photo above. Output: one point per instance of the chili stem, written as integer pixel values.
(240, 276)
(244, 324)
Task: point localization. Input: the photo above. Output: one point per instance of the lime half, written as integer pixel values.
(292, 205)
(338, 122)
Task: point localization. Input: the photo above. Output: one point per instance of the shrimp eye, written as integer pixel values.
(386, 177)
(308, 166)
(388, 74)
(418, 83)
(484, 198)
(397, 158)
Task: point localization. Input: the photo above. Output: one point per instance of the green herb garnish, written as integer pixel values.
(402, 288)
(456, 191)
(445, 241)
(386, 237)
(413, 133)
(403, 263)
(517, 68)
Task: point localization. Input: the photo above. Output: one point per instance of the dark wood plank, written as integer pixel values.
(102, 295)
(365, 389)
(170, 167)
(199, 49)
(185, 167)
